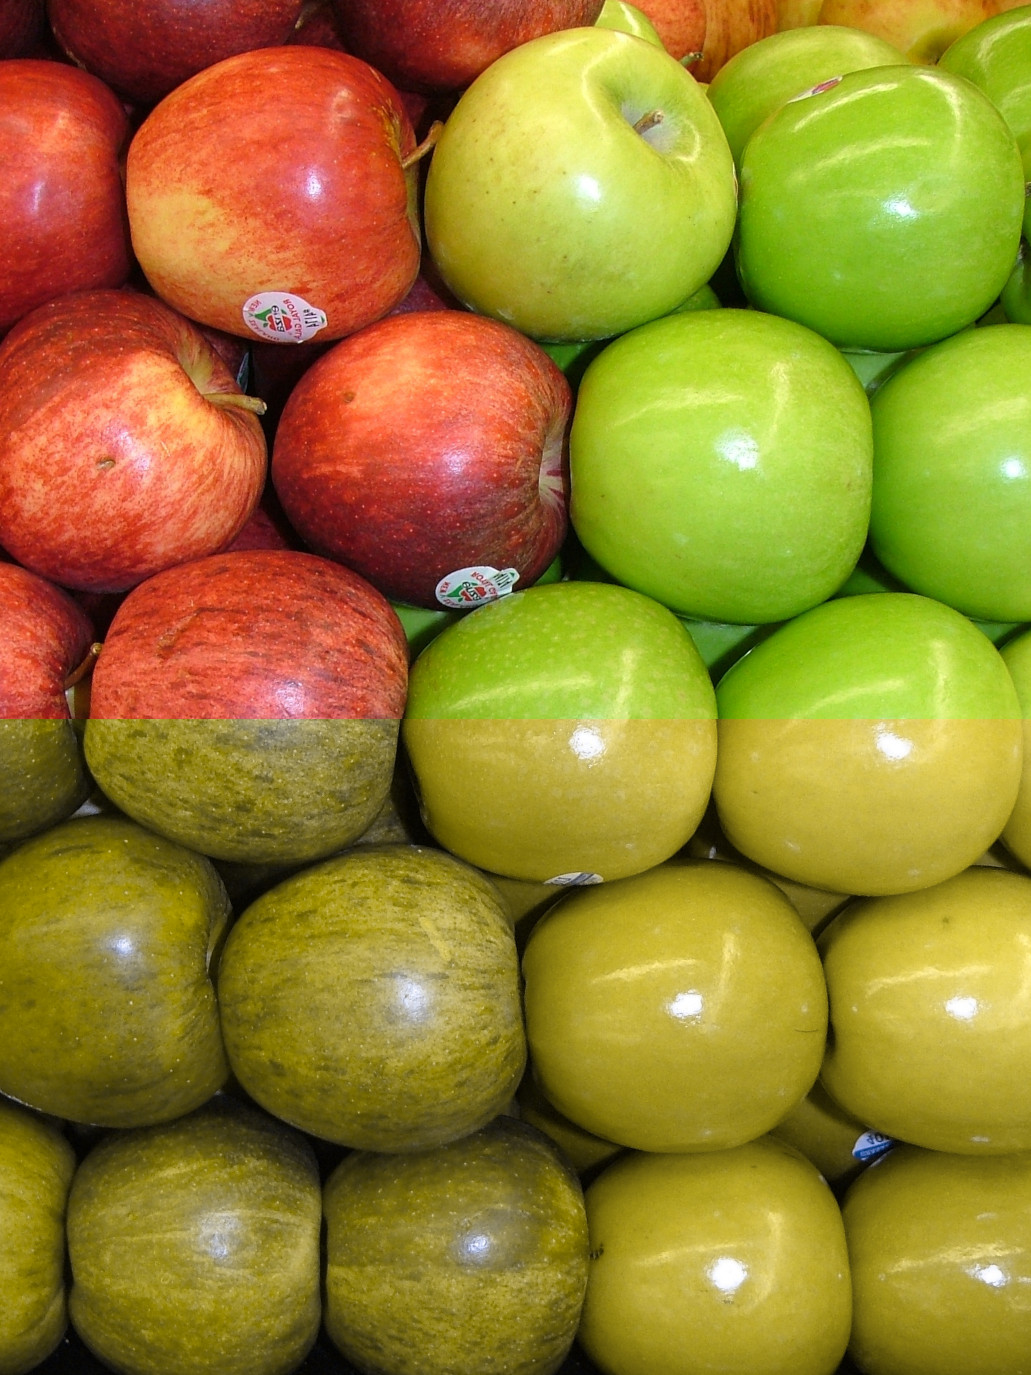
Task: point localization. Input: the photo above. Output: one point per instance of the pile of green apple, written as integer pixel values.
(631, 973)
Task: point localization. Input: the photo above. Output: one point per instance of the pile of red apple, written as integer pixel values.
(515, 579)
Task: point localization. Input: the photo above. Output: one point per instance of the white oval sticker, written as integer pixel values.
(468, 587)
(282, 318)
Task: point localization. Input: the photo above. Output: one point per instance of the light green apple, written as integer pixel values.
(565, 732)
(870, 746)
(721, 462)
(884, 211)
(581, 186)
(627, 18)
(762, 77)
(951, 514)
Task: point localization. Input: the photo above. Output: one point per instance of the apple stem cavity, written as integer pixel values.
(77, 674)
(239, 400)
(429, 142)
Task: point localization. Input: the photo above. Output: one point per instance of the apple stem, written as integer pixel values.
(307, 10)
(689, 59)
(238, 399)
(649, 121)
(77, 674)
(430, 141)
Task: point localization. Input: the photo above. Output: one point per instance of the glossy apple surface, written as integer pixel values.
(884, 211)
(145, 51)
(627, 18)
(62, 209)
(870, 746)
(678, 1010)
(563, 730)
(109, 1013)
(940, 1249)
(922, 29)
(373, 1000)
(126, 445)
(721, 463)
(930, 1011)
(424, 46)
(534, 195)
(728, 1260)
(288, 218)
(194, 1246)
(1017, 832)
(489, 1236)
(279, 673)
(36, 1168)
(951, 513)
(426, 444)
(763, 76)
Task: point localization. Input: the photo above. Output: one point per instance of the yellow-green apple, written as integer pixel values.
(940, 1254)
(126, 445)
(534, 194)
(797, 14)
(36, 1168)
(194, 1246)
(491, 1236)
(431, 47)
(108, 1012)
(680, 25)
(46, 638)
(952, 473)
(682, 1009)
(627, 18)
(730, 26)
(144, 51)
(930, 1013)
(62, 209)
(883, 210)
(721, 463)
(394, 1022)
(1017, 832)
(283, 218)
(428, 453)
(922, 29)
(566, 733)
(870, 746)
(763, 76)
(279, 673)
(730, 1260)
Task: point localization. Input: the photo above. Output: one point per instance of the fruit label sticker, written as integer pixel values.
(827, 85)
(872, 1144)
(282, 318)
(580, 879)
(470, 587)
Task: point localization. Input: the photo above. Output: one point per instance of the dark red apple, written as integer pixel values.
(46, 636)
(268, 195)
(144, 51)
(21, 26)
(317, 26)
(427, 45)
(62, 210)
(126, 445)
(430, 445)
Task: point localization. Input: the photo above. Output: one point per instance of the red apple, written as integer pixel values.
(145, 51)
(46, 636)
(428, 46)
(126, 445)
(62, 210)
(429, 443)
(731, 25)
(317, 26)
(680, 24)
(268, 195)
(21, 26)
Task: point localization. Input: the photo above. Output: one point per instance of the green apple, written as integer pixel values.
(721, 462)
(721, 645)
(870, 746)
(584, 1151)
(883, 211)
(760, 78)
(731, 1261)
(940, 1249)
(194, 1246)
(1015, 297)
(455, 1261)
(373, 999)
(581, 186)
(36, 1168)
(930, 1013)
(951, 515)
(627, 18)
(678, 1010)
(107, 1010)
(872, 368)
(838, 1144)
(1016, 834)
(43, 778)
(563, 732)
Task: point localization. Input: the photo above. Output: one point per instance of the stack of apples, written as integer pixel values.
(515, 577)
